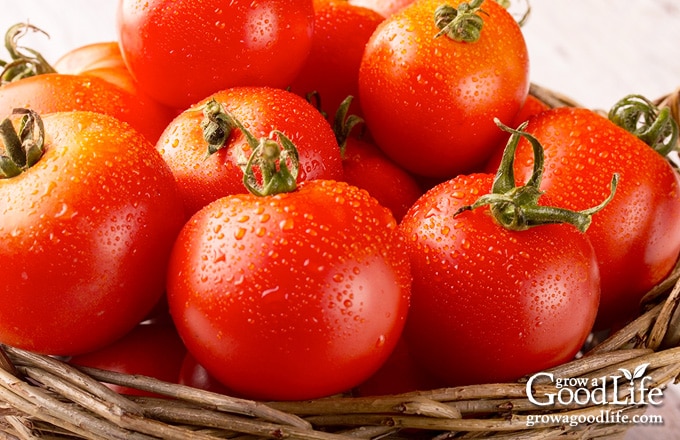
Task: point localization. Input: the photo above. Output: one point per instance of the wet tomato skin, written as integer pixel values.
(293, 296)
(501, 303)
(86, 235)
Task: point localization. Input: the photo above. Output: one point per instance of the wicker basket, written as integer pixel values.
(42, 397)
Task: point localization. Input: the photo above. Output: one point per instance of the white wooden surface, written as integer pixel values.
(595, 51)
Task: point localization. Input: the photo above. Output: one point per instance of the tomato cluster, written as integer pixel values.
(288, 199)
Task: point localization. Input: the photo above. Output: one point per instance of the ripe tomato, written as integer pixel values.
(501, 303)
(341, 31)
(293, 296)
(204, 177)
(182, 51)
(636, 248)
(506, 288)
(443, 93)
(153, 350)
(86, 233)
(55, 92)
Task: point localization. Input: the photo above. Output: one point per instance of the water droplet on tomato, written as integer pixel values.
(240, 233)
(287, 224)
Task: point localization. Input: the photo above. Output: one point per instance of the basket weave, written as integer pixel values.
(42, 397)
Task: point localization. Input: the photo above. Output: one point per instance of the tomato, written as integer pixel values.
(495, 298)
(86, 234)
(204, 177)
(153, 350)
(296, 295)
(636, 248)
(182, 51)
(102, 55)
(429, 102)
(367, 167)
(341, 31)
(55, 92)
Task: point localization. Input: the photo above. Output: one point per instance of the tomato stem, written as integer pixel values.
(343, 124)
(25, 61)
(217, 125)
(656, 127)
(272, 160)
(267, 156)
(462, 24)
(516, 207)
(23, 148)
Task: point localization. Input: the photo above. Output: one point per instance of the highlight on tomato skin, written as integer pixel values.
(87, 230)
(317, 277)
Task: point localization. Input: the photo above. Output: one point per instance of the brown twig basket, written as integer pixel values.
(42, 397)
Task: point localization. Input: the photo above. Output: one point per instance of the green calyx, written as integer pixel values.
(516, 207)
(23, 148)
(273, 164)
(24, 62)
(639, 116)
(463, 24)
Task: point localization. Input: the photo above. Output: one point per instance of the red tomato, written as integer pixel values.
(341, 31)
(636, 248)
(86, 233)
(488, 303)
(367, 167)
(182, 51)
(151, 350)
(429, 102)
(55, 92)
(292, 296)
(203, 178)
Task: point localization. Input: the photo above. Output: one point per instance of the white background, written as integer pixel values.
(594, 51)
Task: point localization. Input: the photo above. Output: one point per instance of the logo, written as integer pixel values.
(629, 388)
